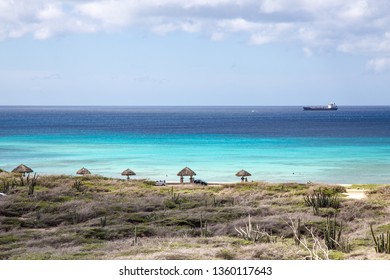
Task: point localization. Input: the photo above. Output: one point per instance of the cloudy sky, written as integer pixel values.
(194, 52)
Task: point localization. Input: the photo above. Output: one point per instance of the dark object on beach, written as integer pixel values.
(83, 171)
(200, 182)
(23, 169)
(243, 174)
(128, 172)
(186, 172)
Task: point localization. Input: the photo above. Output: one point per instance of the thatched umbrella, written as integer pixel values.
(83, 171)
(243, 174)
(23, 169)
(128, 173)
(186, 172)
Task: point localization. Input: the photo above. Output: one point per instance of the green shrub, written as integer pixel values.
(322, 198)
(225, 254)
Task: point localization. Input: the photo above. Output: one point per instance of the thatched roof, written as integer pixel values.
(186, 172)
(243, 173)
(128, 172)
(83, 171)
(22, 169)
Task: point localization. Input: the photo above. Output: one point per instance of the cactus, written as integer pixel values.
(6, 186)
(382, 242)
(77, 185)
(333, 236)
(135, 241)
(216, 202)
(32, 183)
(103, 221)
(332, 233)
(21, 181)
(319, 199)
(203, 227)
(28, 179)
(175, 197)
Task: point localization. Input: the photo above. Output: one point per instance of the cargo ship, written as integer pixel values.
(331, 106)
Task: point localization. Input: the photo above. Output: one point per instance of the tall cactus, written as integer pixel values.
(32, 183)
(382, 242)
(174, 197)
(203, 227)
(332, 233)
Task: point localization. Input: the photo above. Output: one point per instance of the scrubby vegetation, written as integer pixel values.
(64, 217)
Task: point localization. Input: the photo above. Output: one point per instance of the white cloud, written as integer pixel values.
(379, 64)
(238, 25)
(163, 29)
(353, 26)
(369, 43)
(271, 6)
(109, 13)
(50, 12)
(356, 10)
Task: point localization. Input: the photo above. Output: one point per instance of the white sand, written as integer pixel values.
(356, 194)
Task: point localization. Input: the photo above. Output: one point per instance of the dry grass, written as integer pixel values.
(141, 221)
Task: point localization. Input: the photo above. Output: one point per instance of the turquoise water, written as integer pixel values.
(213, 158)
(63, 149)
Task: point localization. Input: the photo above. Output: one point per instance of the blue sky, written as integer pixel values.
(195, 52)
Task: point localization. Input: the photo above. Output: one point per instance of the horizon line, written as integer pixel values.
(52, 105)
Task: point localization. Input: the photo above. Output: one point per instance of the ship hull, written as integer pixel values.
(319, 109)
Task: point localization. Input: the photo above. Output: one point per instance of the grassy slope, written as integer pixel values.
(98, 220)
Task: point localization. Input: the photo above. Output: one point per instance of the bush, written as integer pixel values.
(225, 254)
(322, 198)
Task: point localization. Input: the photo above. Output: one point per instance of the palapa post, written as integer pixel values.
(186, 172)
(128, 172)
(22, 169)
(243, 174)
(83, 171)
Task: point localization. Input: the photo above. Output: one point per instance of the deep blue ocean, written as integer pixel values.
(278, 144)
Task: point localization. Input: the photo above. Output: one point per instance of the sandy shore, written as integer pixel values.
(356, 194)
